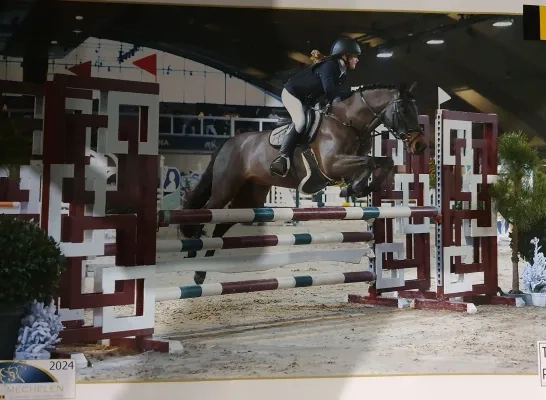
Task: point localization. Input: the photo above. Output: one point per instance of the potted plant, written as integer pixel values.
(31, 264)
(519, 194)
(534, 278)
(537, 230)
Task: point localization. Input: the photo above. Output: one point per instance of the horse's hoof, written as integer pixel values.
(346, 192)
(199, 278)
(365, 192)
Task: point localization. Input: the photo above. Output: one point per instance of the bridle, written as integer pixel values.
(379, 119)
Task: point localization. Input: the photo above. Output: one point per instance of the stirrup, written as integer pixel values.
(278, 159)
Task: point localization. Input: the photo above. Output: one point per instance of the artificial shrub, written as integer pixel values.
(31, 263)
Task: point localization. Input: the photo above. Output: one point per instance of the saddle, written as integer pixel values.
(313, 119)
(314, 179)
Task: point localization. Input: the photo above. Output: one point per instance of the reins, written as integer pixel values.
(377, 119)
(371, 127)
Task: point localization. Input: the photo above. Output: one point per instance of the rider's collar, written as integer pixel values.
(341, 68)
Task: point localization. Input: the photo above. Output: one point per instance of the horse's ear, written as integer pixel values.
(413, 87)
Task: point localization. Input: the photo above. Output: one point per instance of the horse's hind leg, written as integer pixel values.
(253, 196)
(197, 235)
(250, 196)
(218, 200)
(219, 231)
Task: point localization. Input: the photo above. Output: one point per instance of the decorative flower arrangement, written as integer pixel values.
(31, 265)
(39, 332)
(534, 275)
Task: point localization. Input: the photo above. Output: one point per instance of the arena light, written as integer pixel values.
(53, 42)
(502, 24)
(435, 41)
(300, 57)
(79, 17)
(384, 54)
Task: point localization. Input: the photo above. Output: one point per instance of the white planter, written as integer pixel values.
(535, 299)
(25, 355)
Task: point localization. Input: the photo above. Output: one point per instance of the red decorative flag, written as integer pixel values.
(148, 64)
(83, 69)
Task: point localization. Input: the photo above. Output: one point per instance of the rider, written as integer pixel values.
(322, 78)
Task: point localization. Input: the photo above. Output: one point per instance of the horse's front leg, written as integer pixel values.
(386, 172)
(356, 188)
(354, 169)
(360, 185)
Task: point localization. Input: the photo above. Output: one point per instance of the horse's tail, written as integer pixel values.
(199, 196)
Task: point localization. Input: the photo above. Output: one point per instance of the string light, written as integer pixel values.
(125, 56)
(100, 63)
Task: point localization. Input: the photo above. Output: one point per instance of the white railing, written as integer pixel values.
(208, 126)
(194, 125)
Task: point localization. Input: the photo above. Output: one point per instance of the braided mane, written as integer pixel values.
(373, 86)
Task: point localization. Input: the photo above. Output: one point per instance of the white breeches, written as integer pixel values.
(295, 109)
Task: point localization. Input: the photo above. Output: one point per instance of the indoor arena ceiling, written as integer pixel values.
(483, 67)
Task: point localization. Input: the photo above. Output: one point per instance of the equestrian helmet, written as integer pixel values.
(345, 46)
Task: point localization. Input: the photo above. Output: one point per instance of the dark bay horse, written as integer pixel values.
(334, 148)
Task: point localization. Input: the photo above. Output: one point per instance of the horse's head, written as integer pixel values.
(401, 117)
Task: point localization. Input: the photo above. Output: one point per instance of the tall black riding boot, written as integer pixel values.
(281, 165)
